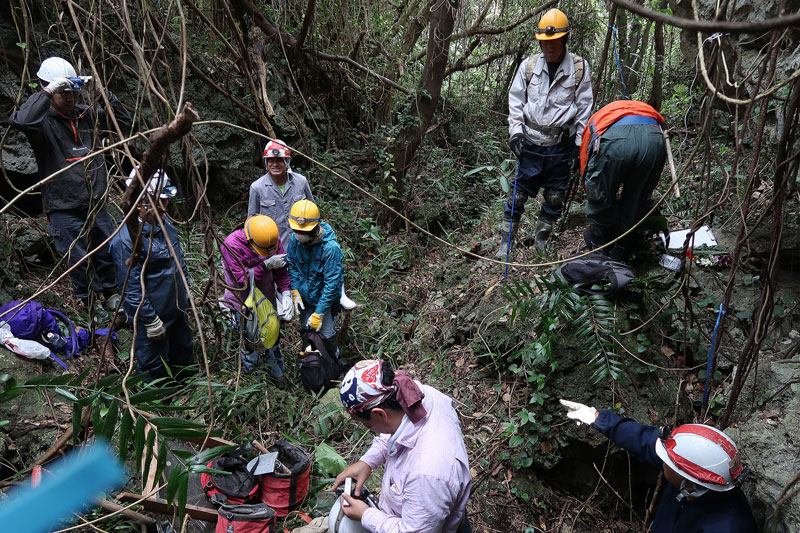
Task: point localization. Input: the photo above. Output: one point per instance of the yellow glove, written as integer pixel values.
(298, 302)
(315, 321)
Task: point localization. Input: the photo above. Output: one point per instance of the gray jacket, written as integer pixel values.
(266, 198)
(561, 104)
(58, 140)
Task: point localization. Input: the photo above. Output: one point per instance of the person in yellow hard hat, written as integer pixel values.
(254, 247)
(549, 102)
(316, 271)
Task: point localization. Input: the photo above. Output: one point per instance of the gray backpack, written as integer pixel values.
(595, 268)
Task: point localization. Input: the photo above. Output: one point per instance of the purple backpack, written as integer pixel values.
(33, 322)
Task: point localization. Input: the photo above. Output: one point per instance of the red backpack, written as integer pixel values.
(285, 489)
(240, 486)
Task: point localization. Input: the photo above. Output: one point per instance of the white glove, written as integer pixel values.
(155, 330)
(275, 261)
(285, 307)
(58, 84)
(579, 412)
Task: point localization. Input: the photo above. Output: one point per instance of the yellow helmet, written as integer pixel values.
(262, 234)
(304, 216)
(552, 25)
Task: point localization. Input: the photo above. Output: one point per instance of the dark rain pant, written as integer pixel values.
(73, 237)
(630, 157)
(541, 167)
(176, 350)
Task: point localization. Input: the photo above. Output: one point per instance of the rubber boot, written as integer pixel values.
(506, 243)
(541, 233)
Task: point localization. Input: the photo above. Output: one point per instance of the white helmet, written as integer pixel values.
(54, 67)
(159, 183)
(339, 523)
(703, 455)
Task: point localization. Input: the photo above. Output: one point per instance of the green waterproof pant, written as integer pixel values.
(630, 157)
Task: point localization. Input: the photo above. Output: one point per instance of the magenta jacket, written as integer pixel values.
(237, 258)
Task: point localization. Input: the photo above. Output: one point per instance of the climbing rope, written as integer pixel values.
(619, 65)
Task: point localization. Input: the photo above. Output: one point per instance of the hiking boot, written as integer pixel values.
(506, 241)
(279, 382)
(542, 233)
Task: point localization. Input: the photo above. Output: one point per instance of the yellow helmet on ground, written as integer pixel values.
(304, 216)
(552, 25)
(262, 234)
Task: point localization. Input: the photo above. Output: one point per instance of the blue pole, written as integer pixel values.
(719, 312)
(511, 224)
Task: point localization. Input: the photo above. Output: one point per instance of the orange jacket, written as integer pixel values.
(608, 115)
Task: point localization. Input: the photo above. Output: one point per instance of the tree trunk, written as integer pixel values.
(657, 89)
(425, 100)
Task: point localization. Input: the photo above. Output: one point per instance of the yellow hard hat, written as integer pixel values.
(304, 216)
(262, 234)
(552, 25)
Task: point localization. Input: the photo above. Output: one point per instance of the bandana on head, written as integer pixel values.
(362, 389)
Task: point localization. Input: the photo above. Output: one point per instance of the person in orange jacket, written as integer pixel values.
(622, 148)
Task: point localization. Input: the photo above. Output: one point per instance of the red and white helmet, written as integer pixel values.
(276, 148)
(703, 455)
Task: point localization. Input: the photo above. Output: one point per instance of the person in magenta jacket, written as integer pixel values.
(257, 246)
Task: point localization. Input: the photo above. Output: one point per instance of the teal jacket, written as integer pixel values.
(316, 270)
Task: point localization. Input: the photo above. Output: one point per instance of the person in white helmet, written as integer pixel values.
(426, 481)
(274, 194)
(62, 132)
(700, 463)
(155, 296)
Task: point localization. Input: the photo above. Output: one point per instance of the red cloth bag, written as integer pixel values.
(285, 491)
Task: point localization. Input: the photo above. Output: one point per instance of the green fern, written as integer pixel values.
(556, 306)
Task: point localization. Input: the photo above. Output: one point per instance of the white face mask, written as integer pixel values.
(303, 238)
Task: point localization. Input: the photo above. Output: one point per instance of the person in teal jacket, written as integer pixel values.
(316, 270)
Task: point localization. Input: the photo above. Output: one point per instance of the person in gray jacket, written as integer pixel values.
(274, 193)
(549, 102)
(62, 132)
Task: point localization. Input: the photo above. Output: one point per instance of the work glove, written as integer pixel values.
(298, 302)
(315, 321)
(517, 143)
(575, 159)
(155, 330)
(579, 412)
(285, 307)
(59, 84)
(275, 261)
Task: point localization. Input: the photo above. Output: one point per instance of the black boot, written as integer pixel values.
(542, 233)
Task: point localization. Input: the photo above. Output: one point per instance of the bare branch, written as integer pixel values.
(750, 26)
(308, 18)
(345, 59)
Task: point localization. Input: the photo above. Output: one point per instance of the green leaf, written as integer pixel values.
(516, 440)
(173, 423)
(152, 394)
(182, 493)
(162, 459)
(329, 461)
(478, 169)
(172, 483)
(138, 440)
(181, 433)
(22, 45)
(148, 458)
(66, 394)
(207, 455)
(504, 184)
(76, 422)
(125, 429)
(110, 423)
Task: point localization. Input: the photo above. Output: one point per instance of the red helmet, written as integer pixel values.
(703, 455)
(276, 148)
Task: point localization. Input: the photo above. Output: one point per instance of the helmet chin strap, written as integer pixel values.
(686, 493)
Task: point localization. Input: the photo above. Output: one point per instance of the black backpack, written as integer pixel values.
(318, 367)
(584, 272)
